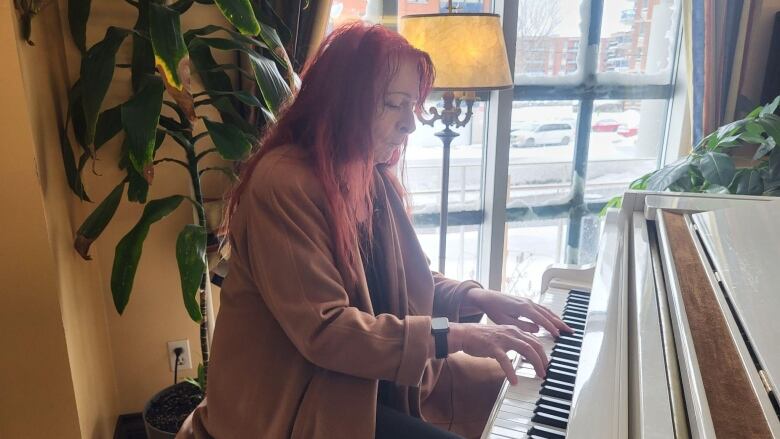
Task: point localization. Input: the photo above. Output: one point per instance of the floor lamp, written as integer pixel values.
(469, 55)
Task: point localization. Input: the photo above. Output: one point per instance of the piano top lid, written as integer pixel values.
(743, 243)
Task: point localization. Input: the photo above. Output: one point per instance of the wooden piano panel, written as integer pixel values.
(734, 408)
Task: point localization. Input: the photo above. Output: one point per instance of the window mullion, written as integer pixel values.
(581, 146)
(496, 177)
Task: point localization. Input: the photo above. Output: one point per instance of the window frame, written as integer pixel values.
(583, 88)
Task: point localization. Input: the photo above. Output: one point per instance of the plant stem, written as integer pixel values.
(192, 166)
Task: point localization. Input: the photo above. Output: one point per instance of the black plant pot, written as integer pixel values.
(165, 412)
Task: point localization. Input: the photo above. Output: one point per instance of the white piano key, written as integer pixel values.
(519, 402)
(507, 432)
(521, 420)
(509, 425)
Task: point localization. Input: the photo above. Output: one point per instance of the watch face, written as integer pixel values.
(440, 324)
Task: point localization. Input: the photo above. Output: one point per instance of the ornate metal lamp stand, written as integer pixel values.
(449, 116)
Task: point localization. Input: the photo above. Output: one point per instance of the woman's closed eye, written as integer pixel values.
(396, 105)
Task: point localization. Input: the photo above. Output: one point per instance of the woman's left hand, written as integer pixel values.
(503, 309)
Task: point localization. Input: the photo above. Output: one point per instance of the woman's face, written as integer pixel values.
(394, 117)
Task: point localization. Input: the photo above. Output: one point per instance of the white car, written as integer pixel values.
(536, 133)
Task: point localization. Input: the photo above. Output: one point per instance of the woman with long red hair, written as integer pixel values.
(331, 324)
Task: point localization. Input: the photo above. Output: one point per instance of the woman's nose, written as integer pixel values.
(406, 124)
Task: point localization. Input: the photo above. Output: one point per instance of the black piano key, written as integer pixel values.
(542, 434)
(578, 299)
(575, 308)
(580, 323)
(575, 312)
(569, 341)
(554, 404)
(576, 293)
(576, 302)
(566, 350)
(563, 366)
(552, 411)
(580, 317)
(559, 384)
(564, 355)
(552, 421)
(560, 374)
(556, 393)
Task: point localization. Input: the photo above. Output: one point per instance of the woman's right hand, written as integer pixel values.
(493, 341)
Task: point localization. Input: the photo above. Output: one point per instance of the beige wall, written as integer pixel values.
(71, 364)
(38, 382)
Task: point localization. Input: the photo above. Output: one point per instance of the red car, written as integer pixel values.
(606, 126)
(626, 131)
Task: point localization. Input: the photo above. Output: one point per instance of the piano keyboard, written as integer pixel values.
(537, 408)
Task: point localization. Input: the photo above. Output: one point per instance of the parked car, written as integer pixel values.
(605, 126)
(627, 131)
(535, 134)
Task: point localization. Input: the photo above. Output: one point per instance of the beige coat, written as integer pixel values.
(296, 354)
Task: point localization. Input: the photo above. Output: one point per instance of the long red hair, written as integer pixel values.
(330, 117)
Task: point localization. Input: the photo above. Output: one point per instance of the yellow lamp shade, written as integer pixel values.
(467, 50)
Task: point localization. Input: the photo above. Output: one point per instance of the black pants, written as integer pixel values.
(392, 424)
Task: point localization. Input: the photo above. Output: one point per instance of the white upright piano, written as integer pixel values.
(677, 328)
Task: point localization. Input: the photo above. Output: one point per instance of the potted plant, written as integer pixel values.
(718, 163)
(164, 104)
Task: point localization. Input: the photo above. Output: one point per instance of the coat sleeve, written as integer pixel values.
(291, 261)
(448, 295)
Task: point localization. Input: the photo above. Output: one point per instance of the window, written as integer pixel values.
(530, 172)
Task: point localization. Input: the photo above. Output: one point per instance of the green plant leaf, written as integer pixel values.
(771, 126)
(231, 116)
(240, 14)
(271, 39)
(749, 183)
(219, 81)
(78, 14)
(142, 61)
(272, 86)
(140, 116)
(266, 14)
(71, 171)
(753, 114)
(766, 147)
(109, 124)
(191, 257)
(138, 188)
(771, 107)
(97, 70)
(717, 168)
(171, 56)
(231, 143)
(76, 108)
(716, 189)
(664, 177)
(774, 164)
(181, 6)
(222, 44)
(241, 95)
(128, 251)
(210, 29)
(614, 202)
(97, 221)
(641, 182)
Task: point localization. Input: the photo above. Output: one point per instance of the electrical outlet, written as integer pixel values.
(185, 361)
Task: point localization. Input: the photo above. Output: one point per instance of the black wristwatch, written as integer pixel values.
(440, 326)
